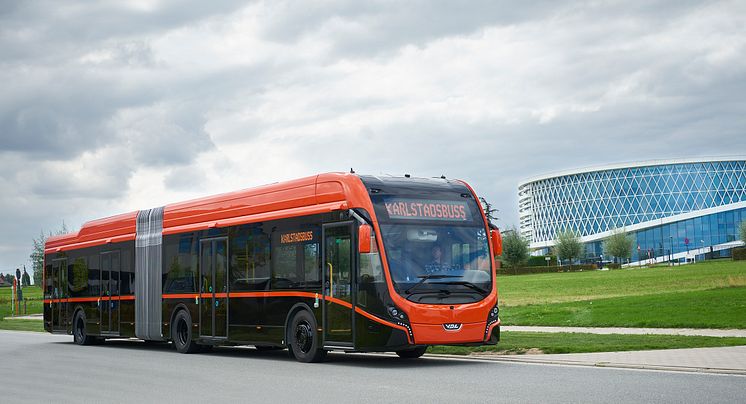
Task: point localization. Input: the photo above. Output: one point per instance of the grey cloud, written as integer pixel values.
(185, 178)
(385, 25)
(368, 29)
(163, 134)
(44, 28)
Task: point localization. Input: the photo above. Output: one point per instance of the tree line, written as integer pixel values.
(567, 247)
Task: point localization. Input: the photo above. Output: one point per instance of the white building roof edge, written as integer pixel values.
(633, 164)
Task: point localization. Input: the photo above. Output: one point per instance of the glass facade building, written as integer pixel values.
(674, 209)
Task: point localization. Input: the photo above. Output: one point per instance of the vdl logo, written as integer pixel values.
(452, 326)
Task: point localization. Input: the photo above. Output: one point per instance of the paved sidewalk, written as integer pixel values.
(727, 360)
(704, 332)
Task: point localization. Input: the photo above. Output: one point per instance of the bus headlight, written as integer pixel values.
(397, 314)
(401, 319)
(492, 318)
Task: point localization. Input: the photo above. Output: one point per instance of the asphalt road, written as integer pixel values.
(45, 368)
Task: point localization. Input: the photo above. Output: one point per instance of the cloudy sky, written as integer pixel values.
(113, 106)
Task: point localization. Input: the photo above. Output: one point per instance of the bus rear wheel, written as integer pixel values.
(80, 335)
(412, 353)
(304, 344)
(181, 333)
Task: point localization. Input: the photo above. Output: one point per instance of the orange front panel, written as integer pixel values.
(432, 334)
(439, 314)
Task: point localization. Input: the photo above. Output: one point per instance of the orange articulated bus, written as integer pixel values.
(330, 262)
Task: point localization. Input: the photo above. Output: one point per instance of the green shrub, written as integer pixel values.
(540, 260)
(545, 269)
(739, 254)
(613, 265)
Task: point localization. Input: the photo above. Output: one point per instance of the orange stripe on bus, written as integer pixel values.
(309, 295)
(180, 295)
(88, 299)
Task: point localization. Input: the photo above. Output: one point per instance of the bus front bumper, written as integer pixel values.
(456, 334)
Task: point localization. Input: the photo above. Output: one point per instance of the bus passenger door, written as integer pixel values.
(104, 301)
(59, 293)
(114, 293)
(213, 288)
(338, 276)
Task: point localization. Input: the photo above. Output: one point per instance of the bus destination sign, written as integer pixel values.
(296, 237)
(399, 208)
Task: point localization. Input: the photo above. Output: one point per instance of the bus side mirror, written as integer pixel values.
(497, 242)
(363, 239)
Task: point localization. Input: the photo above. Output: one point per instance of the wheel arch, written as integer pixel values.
(78, 309)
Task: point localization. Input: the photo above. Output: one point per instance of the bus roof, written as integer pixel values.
(310, 195)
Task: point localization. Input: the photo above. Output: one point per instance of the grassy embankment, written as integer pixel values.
(705, 295)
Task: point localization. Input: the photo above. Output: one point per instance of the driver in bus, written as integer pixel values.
(437, 264)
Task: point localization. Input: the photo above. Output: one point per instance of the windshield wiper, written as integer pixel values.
(424, 278)
(465, 283)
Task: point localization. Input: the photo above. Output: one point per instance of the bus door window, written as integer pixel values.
(370, 277)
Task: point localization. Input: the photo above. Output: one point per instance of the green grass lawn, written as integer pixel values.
(551, 343)
(705, 295)
(518, 290)
(33, 306)
(22, 325)
(28, 291)
(714, 308)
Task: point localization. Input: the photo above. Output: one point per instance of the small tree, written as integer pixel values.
(568, 246)
(37, 258)
(489, 211)
(515, 249)
(25, 278)
(742, 231)
(37, 253)
(618, 245)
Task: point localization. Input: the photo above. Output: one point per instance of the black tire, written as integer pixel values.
(303, 341)
(412, 353)
(181, 333)
(80, 334)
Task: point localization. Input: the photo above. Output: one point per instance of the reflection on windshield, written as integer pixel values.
(418, 251)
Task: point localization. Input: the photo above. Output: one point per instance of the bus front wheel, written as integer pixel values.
(303, 341)
(412, 353)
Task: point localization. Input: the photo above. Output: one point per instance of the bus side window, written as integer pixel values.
(312, 265)
(250, 259)
(371, 273)
(79, 278)
(180, 254)
(284, 266)
(93, 275)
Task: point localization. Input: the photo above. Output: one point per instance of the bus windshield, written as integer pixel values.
(435, 239)
(438, 263)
